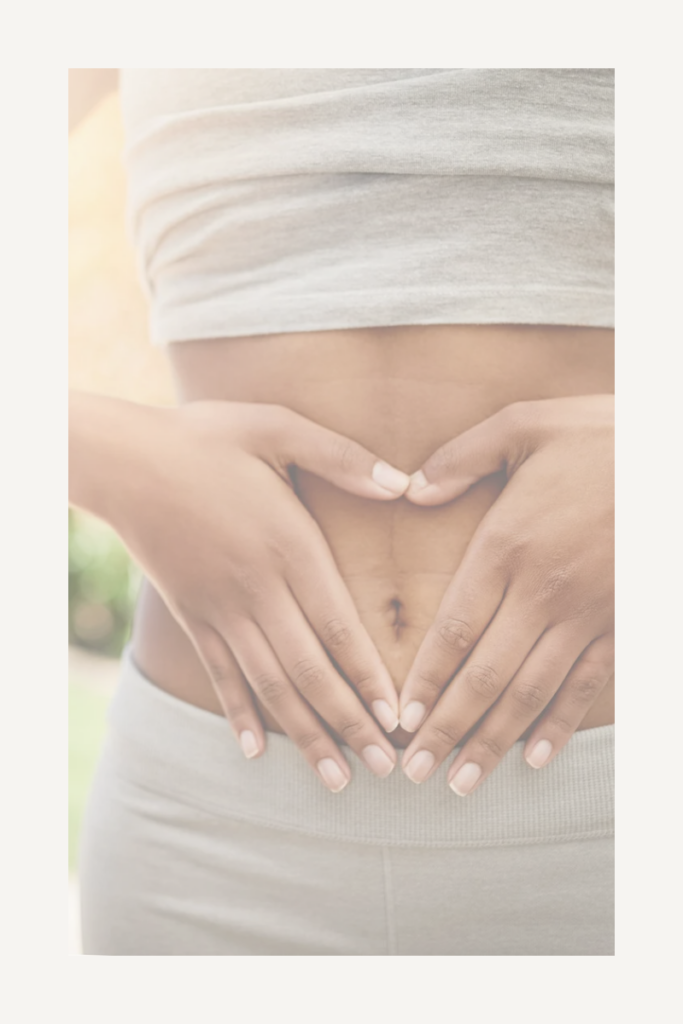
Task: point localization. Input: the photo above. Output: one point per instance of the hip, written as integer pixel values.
(189, 849)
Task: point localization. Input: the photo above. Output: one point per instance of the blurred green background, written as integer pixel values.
(103, 584)
(87, 718)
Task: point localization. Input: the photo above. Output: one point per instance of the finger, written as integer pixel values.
(586, 680)
(486, 448)
(231, 689)
(336, 458)
(531, 690)
(323, 597)
(302, 657)
(485, 675)
(466, 610)
(276, 692)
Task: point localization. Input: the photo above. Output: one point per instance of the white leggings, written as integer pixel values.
(190, 849)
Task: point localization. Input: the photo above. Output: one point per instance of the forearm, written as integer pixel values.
(108, 445)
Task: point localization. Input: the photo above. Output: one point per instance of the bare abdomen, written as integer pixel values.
(402, 392)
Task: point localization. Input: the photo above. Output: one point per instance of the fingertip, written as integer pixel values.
(418, 481)
(391, 480)
(385, 715)
(407, 754)
(466, 779)
(332, 774)
(378, 761)
(249, 742)
(419, 767)
(412, 716)
(539, 755)
(420, 492)
(423, 492)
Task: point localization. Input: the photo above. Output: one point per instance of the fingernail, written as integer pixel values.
(419, 766)
(384, 715)
(540, 754)
(465, 778)
(421, 487)
(377, 761)
(412, 715)
(390, 479)
(332, 775)
(248, 743)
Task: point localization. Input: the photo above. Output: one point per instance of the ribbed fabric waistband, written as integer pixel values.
(163, 744)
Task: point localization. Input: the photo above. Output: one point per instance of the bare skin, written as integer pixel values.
(409, 394)
(402, 392)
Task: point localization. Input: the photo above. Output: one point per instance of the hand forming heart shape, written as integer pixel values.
(203, 498)
(526, 628)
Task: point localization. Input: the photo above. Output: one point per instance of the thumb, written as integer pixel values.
(343, 462)
(452, 469)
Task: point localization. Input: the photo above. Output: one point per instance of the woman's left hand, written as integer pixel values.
(526, 628)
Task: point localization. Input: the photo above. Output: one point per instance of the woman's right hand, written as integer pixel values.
(208, 509)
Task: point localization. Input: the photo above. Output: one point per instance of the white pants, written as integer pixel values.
(190, 849)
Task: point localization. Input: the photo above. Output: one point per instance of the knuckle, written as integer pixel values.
(363, 679)
(308, 677)
(585, 688)
(494, 537)
(482, 681)
(219, 673)
(289, 548)
(308, 740)
(455, 635)
(249, 581)
(444, 734)
(281, 546)
(335, 635)
(516, 545)
(350, 728)
(491, 745)
(555, 583)
(503, 544)
(528, 697)
(430, 682)
(558, 720)
(271, 689)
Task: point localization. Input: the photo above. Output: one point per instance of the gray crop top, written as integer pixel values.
(266, 201)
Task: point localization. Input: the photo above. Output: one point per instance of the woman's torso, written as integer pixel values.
(402, 392)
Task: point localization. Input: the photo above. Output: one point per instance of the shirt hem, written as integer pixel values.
(306, 313)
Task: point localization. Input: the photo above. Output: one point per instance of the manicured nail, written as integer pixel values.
(332, 775)
(465, 778)
(248, 743)
(412, 715)
(384, 715)
(540, 754)
(418, 481)
(419, 766)
(392, 480)
(377, 761)
(420, 487)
